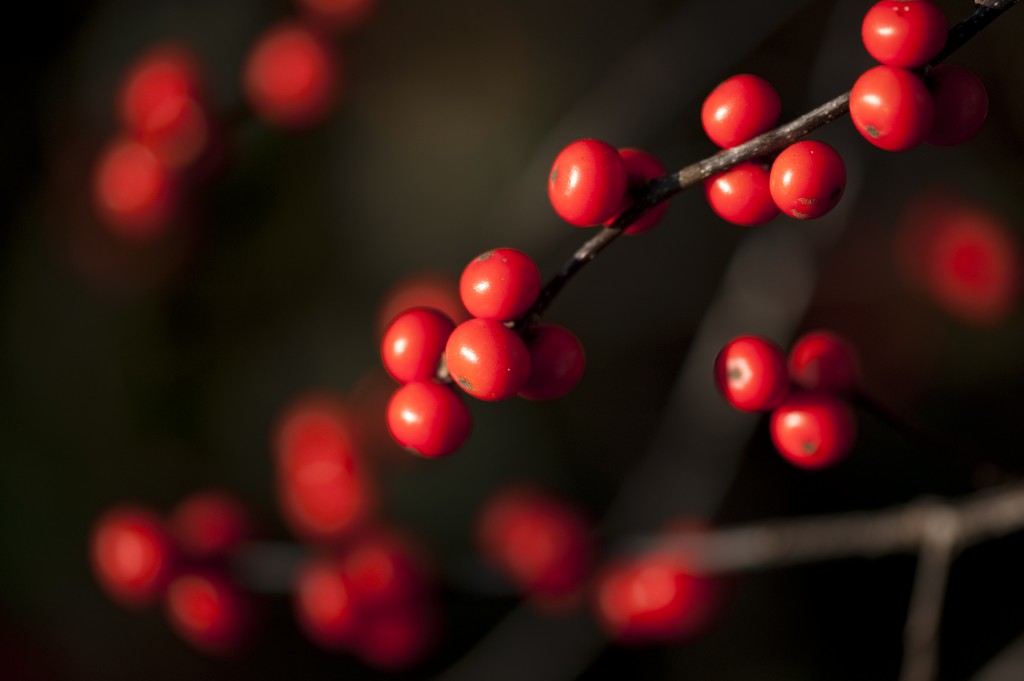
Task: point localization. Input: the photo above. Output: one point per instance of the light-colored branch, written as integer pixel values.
(921, 631)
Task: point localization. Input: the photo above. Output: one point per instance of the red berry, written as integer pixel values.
(210, 523)
(339, 14)
(325, 603)
(587, 183)
(905, 33)
(414, 343)
(891, 108)
(487, 359)
(807, 179)
(742, 194)
(321, 483)
(208, 611)
(290, 76)
(132, 555)
(822, 360)
(429, 418)
(557, 362)
(813, 429)
(500, 284)
(961, 104)
(384, 569)
(750, 372)
(654, 598)
(161, 103)
(133, 190)
(740, 109)
(541, 543)
(396, 638)
(641, 168)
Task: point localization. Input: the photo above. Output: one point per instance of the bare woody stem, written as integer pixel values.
(985, 515)
(663, 188)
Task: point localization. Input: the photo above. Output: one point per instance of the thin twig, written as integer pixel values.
(768, 143)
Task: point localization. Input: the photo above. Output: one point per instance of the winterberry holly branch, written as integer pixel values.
(663, 188)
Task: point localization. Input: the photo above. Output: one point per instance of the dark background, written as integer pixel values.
(147, 372)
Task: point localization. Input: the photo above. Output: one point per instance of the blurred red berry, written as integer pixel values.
(384, 568)
(807, 179)
(325, 603)
(822, 360)
(654, 598)
(587, 182)
(557, 362)
(487, 359)
(961, 104)
(751, 374)
(414, 344)
(210, 523)
(132, 555)
(208, 611)
(500, 284)
(541, 543)
(429, 418)
(398, 637)
(905, 33)
(322, 485)
(739, 109)
(338, 14)
(813, 429)
(423, 289)
(291, 77)
(132, 190)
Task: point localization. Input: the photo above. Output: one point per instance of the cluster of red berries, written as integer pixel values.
(893, 106)
(812, 424)
(170, 138)
(139, 559)
(806, 180)
(545, 547)
(426, 351)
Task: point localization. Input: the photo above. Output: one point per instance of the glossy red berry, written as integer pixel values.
(557, 362)
(325, 603)
(750, 372)
(641, 168)
(322, 485)
(429, 418)
(742, 195)
(208, 611)
(813, 429)
(132, 555)
(500, 284)
(487, 359)
(539, 542)
(739, 109)
(210, 523)
(291, 76)
(654, 598)
(161, 104)
(132, 190)
(414, 344)
(587, 182)
(904, 33)
(822, 360)
(961, 104)
(891, 108)
(339, 14)
(807, 179)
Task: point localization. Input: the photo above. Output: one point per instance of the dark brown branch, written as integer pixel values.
(770, 142)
